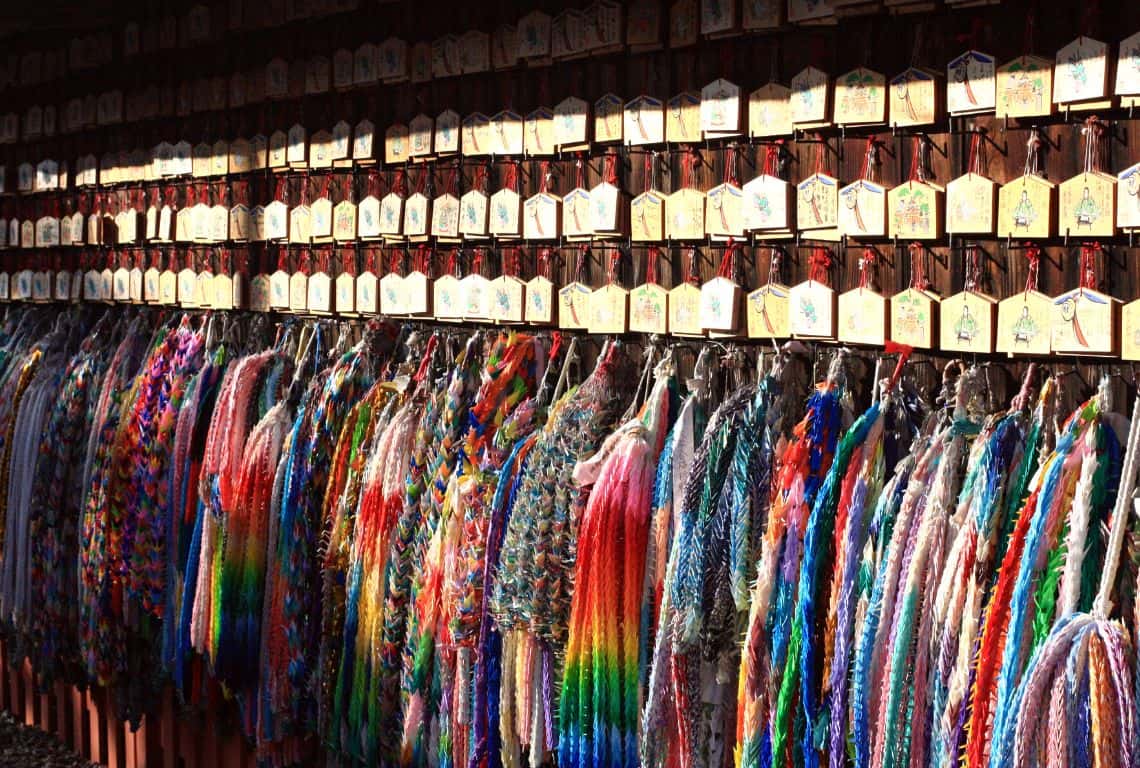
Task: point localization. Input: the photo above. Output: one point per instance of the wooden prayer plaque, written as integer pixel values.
(1088, 205)
(811, 310)
(577, 214)
(1128, 198)
(644, 121)
(914, 211)
(344, 221)
(860, 97)
(571, 123)
(540, 303)
(1130, 331)
(720, 109)
(684, 307)
(367, 293)
(417, 293)
(913, 98)
(649, 309)
(477, 135)
(971, 83)
(967, 323)
(720, 305)
(345, 294)
(1025, 87)
(1024, 324)
(809, 99)
(538, 133)
(608, 119)
(445, 216)
(574, 306)
(818, 202)
(683, 118)
(447, 130)
(723, 211)
(1084, 323)
(417, 215)
(862, 317)
(421, 131)
(391, 214)
(540, 217)
(368, 217)
(862, 210)
(971, 205)
(506, 214)
(1080, 72)
(1128, 71)
(647, 217)
(507, 299)
(1025, 207)
(685, 215)
(913, 322)
(768, 203)
(392, 294)
(770, 111)
(396, 144)
(473, 214)
(609, 309)
(506, 132)
(605, 209)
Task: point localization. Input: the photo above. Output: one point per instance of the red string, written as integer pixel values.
(820, 265)
(399, 186)
(973, 165)
(544, 170)
(688, 162)
(282, 259)
(477, 261)
(510, 262)
(820, 153)
(453, 262)
(1089, 254)
(304, 264)
(648, 171)
(772, 157)
(580, 171)
(916, 171)
(730, 167)
(973, 268)
(544, 262)
(612, 265)
(511, 176)
(651, 257)
(1033, 257)
(866, 264)
(917, 267)
(727, 268)
(449, 182)
(611, 167)
(869, 158)
(396, 261)
(691, 266)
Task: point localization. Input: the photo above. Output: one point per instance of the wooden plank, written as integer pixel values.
(97, 725)
(116, 747)
(80, 724)
(29, 693)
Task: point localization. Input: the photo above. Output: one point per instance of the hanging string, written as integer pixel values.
(1093, 133)
(917, 159)
(973, 269)
(1033, 261)
(730, 163)
(870, 160)
(652, 254)
(511, 176)
(1089, 255)
(545, 267)
(820, 266)
(544, 176)
(866, 265)
(772, 158)
(917, 266)
(727, 268)
(612, 265)
(610, 173)
(396, 261)
(688, 163)
(690, 272)
(977, 158)
(647, 178)
(477, 261)
(580, 264)
(509, 262)
(821, 150)
(1032, 147)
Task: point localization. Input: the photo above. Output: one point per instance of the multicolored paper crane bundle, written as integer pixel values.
(434, 548)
